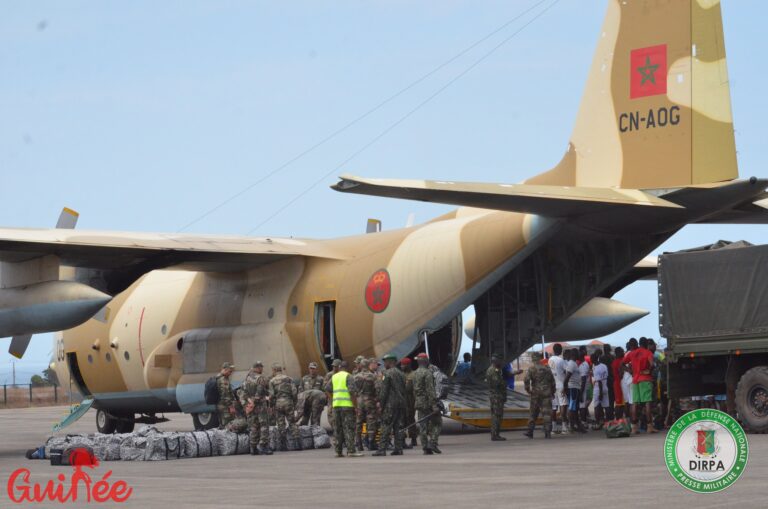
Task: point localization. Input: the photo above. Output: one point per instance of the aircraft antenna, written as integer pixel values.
(360, 117)
(402, 119)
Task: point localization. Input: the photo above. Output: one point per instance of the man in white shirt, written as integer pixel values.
(600, 389)
(572, 384)
(559, 400)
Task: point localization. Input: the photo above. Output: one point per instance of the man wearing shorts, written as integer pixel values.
(641, 361)
(559, 400)
(572, 384)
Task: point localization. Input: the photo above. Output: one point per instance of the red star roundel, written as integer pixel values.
(648, 71)
(378, 291)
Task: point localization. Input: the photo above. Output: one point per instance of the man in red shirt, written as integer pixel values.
(641, 361)
(618, 373)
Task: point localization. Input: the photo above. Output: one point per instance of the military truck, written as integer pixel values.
(713, 311)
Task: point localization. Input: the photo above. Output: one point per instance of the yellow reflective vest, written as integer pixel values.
(341, 396)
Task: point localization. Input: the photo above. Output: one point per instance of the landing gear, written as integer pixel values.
(205, 420)
(105, 423)
(126, 424)
(108, 424)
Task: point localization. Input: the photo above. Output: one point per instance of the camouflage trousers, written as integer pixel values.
(344, 429)
(410, 420)
(392, 423)
(429, 429)
(541, 403)
(366, 413)
(285, 413)
(497, 413)
(224, 416)
(312, 416)
(258, 428)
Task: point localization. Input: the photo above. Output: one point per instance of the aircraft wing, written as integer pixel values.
(125, 256)
(545, 200)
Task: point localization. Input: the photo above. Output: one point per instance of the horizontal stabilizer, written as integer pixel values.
(550, 201)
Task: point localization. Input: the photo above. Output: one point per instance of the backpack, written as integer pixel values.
(618, 428)
(211, 391)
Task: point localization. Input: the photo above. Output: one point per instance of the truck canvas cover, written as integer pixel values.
(721, 290)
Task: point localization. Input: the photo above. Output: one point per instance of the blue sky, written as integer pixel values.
(145, 115)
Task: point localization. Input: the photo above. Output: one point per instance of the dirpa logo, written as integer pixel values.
(706, 451)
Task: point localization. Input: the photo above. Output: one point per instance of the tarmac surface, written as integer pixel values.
(567, 471)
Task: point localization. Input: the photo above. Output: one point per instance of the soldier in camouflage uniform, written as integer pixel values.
(283, 392)
(366, 384)
(358, 365)
(426, 402)
(335, 366)
(540, 384)
(497, 393)
(410, 408)
(255, 393)
(226, 405)
(392, 404)
(312, 399)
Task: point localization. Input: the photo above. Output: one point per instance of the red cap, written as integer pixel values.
(422, 355)
(405, 360)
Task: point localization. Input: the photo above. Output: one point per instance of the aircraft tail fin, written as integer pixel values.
(656, 111)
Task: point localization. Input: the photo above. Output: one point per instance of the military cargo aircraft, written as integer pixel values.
(652, 150)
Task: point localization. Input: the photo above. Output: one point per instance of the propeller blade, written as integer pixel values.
(19, 345)
(67, 219)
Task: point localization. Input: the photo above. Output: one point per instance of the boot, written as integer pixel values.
(397, 452)
(497, 438)
(427, 450)
(548, 431)
(356, 454)
(435, 449)
(265, 450)
(380, 452)
(255, 451)
(529, 433)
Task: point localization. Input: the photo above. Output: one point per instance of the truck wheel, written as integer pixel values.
(205, 420)
(752, 399)
(126, 424)
(104, 423)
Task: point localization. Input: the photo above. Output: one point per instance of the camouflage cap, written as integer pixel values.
(227, 365)
(536, 356)
(359, 359)
(258, 364)
(389, 357)
(496, 357)
(313, 365)
(372, 361)
(277, 366)
(336, 362)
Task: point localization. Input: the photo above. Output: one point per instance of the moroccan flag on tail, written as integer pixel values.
(648, 71)
(705, 442)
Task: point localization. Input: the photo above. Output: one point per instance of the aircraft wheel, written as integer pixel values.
(104, 423)
(205, 420)
(126, 424)
(752, 399)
